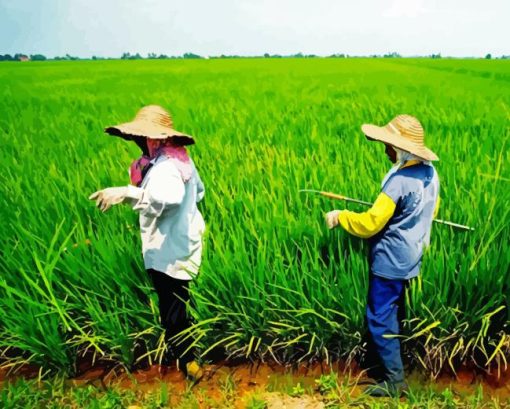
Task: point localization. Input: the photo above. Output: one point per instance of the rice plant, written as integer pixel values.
(275, 283)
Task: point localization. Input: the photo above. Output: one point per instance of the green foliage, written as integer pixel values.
(327, 386)
(297, 390)
(55, 394)
(228, 388)
(327, 383)
(274, 282)
(38, 57)
(256, 402)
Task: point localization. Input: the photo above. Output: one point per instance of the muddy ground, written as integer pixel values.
(280, 386)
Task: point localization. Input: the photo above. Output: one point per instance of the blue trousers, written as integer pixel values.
(385, 312)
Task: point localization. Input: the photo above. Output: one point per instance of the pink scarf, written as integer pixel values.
(177, 154)
(138, 169)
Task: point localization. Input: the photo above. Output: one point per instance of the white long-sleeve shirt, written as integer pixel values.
(170, 223)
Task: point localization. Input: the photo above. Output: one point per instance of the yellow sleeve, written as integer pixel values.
(371, 222)
(437, 207)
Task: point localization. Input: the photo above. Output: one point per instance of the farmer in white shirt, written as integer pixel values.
(165, 189)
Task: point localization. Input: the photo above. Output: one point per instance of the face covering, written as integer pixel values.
(177, 154)
(402, 158)
(138, 169)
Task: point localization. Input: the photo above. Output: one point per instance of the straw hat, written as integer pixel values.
(404, 132)
(151, 122)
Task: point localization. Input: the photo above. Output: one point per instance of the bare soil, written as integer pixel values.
(236, 385)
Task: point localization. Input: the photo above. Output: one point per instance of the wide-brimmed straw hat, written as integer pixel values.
(404, 132)
(152, 122)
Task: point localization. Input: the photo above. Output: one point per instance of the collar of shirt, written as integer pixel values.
(410, 163)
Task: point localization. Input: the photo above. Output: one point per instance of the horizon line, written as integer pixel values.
(191, 55)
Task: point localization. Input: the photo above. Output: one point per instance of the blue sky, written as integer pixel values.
(253, 27)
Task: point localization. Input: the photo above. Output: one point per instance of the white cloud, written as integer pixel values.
(406, 8)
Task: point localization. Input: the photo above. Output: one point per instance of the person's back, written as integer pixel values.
(396, 251)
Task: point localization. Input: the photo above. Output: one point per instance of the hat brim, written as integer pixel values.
(381, 134)
(129, 130)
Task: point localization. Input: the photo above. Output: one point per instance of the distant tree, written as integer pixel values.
(152, 56)
(191, 56)
(38, 57)
(392, 55)
(8, 57)
(337, 56)
(435, 56)
(488, 56)
(162, 56)
(128, 56)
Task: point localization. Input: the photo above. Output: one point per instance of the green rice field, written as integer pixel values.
(275, 283)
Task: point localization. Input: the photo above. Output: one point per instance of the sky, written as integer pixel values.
(107, 28)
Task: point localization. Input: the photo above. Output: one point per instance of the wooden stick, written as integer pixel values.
(336, 196)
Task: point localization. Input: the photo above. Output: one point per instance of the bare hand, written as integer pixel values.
(332, 218)
(108, 197)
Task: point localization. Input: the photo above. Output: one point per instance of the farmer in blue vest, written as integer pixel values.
(398, 228)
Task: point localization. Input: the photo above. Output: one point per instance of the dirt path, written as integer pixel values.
(278, 386)
(272, 386)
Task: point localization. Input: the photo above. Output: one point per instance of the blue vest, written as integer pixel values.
(396, 251)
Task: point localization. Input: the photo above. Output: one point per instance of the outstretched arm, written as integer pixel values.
(164, 189)
(371, 222)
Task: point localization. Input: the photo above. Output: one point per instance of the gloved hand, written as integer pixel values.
(332, 218)
(110, 196)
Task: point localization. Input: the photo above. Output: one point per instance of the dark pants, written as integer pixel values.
(173, 295)
(385, 313)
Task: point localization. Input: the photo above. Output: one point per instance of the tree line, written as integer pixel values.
(22, 57)
(189, 55)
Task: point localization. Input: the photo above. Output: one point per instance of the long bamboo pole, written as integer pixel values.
(362, 202)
